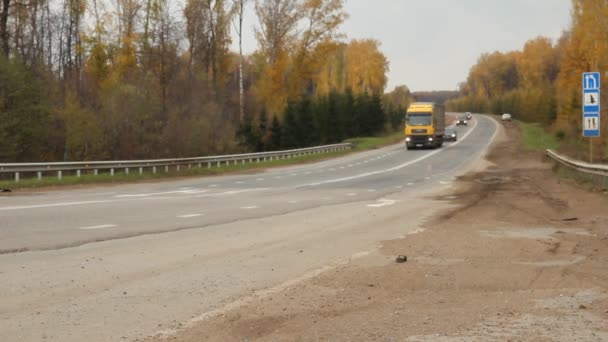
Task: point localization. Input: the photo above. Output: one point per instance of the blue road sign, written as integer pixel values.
(591, 104)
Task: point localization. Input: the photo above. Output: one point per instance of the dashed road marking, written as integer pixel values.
(260, 179)
(410, 184)
(382, 203)
(189, 215)
(250, 207)
(240, 182)
(351, 194)
(101, 226)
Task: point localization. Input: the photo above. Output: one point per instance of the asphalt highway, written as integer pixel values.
(120, 262)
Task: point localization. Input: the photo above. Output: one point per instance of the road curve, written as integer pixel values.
(100, 264)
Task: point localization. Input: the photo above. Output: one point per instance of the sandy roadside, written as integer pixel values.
(522, 258)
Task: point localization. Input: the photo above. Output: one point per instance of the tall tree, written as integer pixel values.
(4, 39)
(239, 10)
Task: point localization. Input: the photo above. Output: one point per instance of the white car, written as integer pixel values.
(506, 117)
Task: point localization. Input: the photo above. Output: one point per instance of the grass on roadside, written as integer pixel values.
(51, 180)
(536, 138)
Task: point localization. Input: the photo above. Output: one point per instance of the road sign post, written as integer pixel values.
(591, 108)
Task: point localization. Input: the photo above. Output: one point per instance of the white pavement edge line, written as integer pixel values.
(51, 205)
(259, 295)
(398, 167)
(129, 199)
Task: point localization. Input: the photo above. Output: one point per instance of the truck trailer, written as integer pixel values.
(424, 125)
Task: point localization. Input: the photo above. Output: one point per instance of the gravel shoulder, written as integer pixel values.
(520, 255)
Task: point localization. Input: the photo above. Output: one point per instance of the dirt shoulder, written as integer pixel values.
(522, 257)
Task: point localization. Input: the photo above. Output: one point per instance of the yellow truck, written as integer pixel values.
(424, 125)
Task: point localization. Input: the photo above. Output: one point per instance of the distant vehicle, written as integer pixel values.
(462, 120)
(506, 117)
(424, 125)
(469, 115)
(450, 134)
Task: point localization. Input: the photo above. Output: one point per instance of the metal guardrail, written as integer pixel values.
(40, 169)
(598, 173)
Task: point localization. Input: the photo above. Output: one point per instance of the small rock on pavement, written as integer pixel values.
(401, 259)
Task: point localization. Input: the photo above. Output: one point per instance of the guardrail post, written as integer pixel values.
(153, 169)
(219, 163)
(166, 168)
(208, 165)
(95, 172)
(16, 177)
(141, 171)
(178, 168)
(78, 173)
(257, 160)
(59, 174)
(39, 175)
(112, 172)
(126, 171)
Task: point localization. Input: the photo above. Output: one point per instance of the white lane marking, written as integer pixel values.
(132, 198)
(101, 226)
(427, 178)
(399, 187)
(239, 182)
(187, 192)
(382, 203)
(213, 185)
(341, 167)
(395, 168)
(410, 184)
(260, 179)
(278, 177)
(189, 215)
(250, 207)
(371, 190)
(292, 202)
(350, 165)
(65, 204)
(293, 174)
(232, 192)
(444, 183)
(351, 194)
(332, 169)
(327, 198)
(307, 173)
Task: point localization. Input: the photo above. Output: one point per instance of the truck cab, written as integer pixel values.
(424, 125)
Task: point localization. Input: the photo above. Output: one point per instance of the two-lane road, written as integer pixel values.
(103, 263)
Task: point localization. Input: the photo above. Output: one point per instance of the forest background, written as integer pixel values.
(542, 83)
(131, 79)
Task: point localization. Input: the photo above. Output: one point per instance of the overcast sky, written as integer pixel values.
(432, 44)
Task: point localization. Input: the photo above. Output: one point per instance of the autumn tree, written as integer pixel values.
(366, 67)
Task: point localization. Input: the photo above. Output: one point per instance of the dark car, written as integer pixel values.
(462, 120)
(450, 134)
(469, 115)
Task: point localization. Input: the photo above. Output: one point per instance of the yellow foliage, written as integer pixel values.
(366, 67)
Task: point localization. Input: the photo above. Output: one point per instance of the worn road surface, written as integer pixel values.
(520, 255)
(131, 261)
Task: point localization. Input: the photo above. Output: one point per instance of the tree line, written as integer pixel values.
(542, 82)
(124, 79)
(326, 119)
